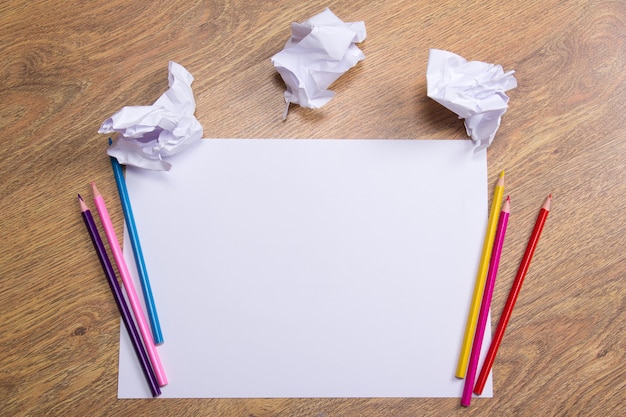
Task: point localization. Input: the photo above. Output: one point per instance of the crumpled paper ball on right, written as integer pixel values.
(473, 90)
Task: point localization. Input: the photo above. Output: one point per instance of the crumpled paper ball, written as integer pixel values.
(473, 90)
(319, 51)
(148, 133)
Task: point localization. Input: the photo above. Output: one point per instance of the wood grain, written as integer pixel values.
(68, 65)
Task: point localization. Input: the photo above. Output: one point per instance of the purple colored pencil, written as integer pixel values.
(119, 298)
(466, 398)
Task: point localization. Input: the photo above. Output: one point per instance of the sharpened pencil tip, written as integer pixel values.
(83, 206)
(546, 204)
(95, 189)
(500, 182)
(506, 207)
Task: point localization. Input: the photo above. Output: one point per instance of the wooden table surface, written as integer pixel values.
(68, 65)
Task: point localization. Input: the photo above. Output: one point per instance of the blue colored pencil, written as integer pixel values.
(153, 317)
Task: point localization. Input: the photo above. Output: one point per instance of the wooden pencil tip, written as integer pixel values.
(506, 207)
(83, 206)
(95, 189)
(500, 182)
(546, 204)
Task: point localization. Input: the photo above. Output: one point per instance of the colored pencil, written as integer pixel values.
(466, 398)
(127, 281)
(481, 276)
(137, 252)
(119, 298)
(510, 302)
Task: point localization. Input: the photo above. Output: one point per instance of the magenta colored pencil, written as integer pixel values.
(119, 299)
(466, 398)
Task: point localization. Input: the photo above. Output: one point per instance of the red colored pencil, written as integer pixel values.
(510, 302)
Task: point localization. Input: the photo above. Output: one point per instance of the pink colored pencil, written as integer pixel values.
(466, 398)
(133, 299)
(127, 318)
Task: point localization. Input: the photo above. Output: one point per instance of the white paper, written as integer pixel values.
(148, 133)
(319, 51)
(310, 268)
(473, 90)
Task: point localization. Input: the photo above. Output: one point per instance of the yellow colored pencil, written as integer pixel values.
(481, 276)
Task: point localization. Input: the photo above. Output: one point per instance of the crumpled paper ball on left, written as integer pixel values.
(148, 133)
(473, 90)
(319, 51)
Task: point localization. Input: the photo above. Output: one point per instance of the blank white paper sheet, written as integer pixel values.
(310, 267)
